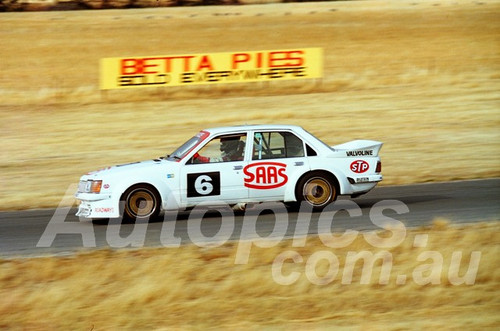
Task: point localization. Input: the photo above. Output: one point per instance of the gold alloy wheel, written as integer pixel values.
(318, 191)
(141, 203)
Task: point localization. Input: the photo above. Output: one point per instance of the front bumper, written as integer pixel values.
(96, 206)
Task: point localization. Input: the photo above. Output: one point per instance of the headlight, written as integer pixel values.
(90, 186)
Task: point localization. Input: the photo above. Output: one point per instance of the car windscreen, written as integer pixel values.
(185, 148)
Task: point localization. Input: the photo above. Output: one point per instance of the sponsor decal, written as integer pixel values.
(203, 184)
(102, 210)
(360, 153)
(211, 68)
(106, 186)
(170, 175)
(359, 166)
(265, 175)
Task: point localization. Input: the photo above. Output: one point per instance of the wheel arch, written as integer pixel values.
(125, 188)
(326, 173)
(145, 186)
(290, 195)
(168, 195)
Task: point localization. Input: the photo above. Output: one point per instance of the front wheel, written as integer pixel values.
(318, 190)
(141, 202)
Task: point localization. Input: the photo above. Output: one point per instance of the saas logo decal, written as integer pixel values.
(359, 166)
(203, 184)
(265, 175)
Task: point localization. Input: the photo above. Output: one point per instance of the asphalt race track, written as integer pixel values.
(461, 202)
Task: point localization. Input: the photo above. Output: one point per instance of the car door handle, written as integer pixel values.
(238, 167)
(298, 164)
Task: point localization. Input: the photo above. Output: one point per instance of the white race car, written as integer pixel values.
(235, 166)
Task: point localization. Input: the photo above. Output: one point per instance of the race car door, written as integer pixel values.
(277, 157)
(215, 172)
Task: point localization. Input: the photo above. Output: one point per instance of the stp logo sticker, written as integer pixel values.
(359, 166)
(265, 175)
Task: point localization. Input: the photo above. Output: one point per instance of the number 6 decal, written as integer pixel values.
(203, 184)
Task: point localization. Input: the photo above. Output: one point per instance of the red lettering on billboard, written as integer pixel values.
(205, 63)
(129, 67)
(239, 58)
(359, 166)
(286, 59)
(154, 65)
(277, 59)
(138, 66)
(265, 175)
(259, 60)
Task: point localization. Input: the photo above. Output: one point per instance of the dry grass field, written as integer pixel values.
(201, 288)
(421, 76)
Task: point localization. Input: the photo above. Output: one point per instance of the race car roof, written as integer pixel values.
(254, 127)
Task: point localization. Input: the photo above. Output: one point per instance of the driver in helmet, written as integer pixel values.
(232, 149)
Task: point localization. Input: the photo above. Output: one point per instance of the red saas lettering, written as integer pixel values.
(265, 175)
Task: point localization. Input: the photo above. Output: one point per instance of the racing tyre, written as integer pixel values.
(317, 189)
(141, 202)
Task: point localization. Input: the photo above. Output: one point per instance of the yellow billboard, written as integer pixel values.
(213, 68)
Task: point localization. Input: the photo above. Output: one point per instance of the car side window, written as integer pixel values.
(225, 148)
(276, 144)
(310, 151)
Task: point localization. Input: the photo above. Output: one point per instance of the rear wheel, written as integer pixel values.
(141, 202)
(317, 189)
